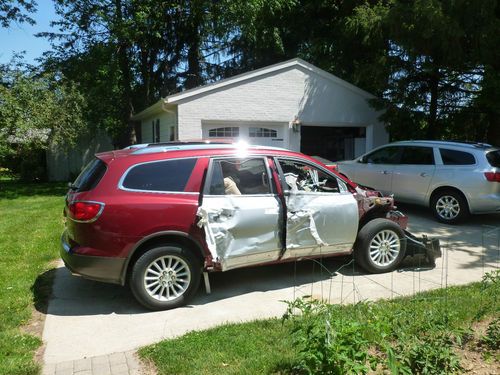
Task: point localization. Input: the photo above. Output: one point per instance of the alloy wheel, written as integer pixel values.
(167, 278)
(384, 248)
(448, 207)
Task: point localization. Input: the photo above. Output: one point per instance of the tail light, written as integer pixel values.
(492, 176)
(85, 212)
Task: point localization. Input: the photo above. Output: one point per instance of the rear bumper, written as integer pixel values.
(485, 203)
(105, 269)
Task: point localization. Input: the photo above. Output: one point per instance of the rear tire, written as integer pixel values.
(380, 246)
(165, 277)
(449, 206)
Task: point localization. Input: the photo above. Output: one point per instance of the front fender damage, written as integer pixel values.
(371, 205)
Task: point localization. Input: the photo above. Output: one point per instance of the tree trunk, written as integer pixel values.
(128, 136)
(193, 78)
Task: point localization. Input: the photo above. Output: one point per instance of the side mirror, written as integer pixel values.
(362, 159)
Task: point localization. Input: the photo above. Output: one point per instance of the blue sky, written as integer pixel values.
(20, 37)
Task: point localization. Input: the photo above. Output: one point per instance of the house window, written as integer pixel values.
(262, 133)
(172, 133)
(157, 131)
(228, 132)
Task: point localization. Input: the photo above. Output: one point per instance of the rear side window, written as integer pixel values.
(90, 176)
(417, 155)
(455, 157)
(494, 158)
(165, 175)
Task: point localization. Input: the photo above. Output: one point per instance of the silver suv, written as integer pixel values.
(454, 179)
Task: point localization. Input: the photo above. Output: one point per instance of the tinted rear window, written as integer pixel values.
(494, 158)
(168, 175)
(454, 157)
(90, 176)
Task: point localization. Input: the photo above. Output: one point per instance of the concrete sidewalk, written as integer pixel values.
(88, 319)
(111, 364)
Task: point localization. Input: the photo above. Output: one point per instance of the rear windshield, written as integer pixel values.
(90, 176)
(494, 158)
(168, 175)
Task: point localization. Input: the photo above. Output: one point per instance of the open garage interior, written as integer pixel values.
(333, 143)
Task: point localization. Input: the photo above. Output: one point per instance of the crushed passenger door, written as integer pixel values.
(321, 215)
(240, 213)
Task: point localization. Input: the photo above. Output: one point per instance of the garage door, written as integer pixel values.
(255, 134)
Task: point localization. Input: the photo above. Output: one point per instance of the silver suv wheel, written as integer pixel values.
(448, 207)
(167, 278)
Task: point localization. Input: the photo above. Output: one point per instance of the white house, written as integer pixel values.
(292, 104)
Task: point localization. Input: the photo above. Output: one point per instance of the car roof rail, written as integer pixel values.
(451, 141)
(198, 146)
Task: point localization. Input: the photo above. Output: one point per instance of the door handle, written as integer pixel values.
(423, 174)
(385, 172)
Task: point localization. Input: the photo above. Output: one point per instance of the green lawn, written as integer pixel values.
(30, 227)
(421, 334)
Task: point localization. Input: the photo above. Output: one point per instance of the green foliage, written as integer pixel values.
(492, 337)
(36, 111)
(432, 354)
(327, 343)
(415, 335)
(16, 11)
(432, 64)
(438, 61)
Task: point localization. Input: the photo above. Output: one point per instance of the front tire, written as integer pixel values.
(380, 246)
(449, 206)
(165, 277)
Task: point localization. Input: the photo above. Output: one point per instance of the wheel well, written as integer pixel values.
(162, 240)
(444, 188)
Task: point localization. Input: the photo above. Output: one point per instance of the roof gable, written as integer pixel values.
(170, 102)
(240, 78)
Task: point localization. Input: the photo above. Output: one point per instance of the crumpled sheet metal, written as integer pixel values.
(241, 230)
(321, 220)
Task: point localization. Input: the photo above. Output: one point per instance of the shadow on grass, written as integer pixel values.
(12, 189)
(42, 290)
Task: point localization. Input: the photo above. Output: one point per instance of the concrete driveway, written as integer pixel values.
(87, 319)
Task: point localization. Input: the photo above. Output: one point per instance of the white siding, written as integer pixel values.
(167, 120)
(280, 97)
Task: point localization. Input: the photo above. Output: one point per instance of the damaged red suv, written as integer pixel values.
(159, 216)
